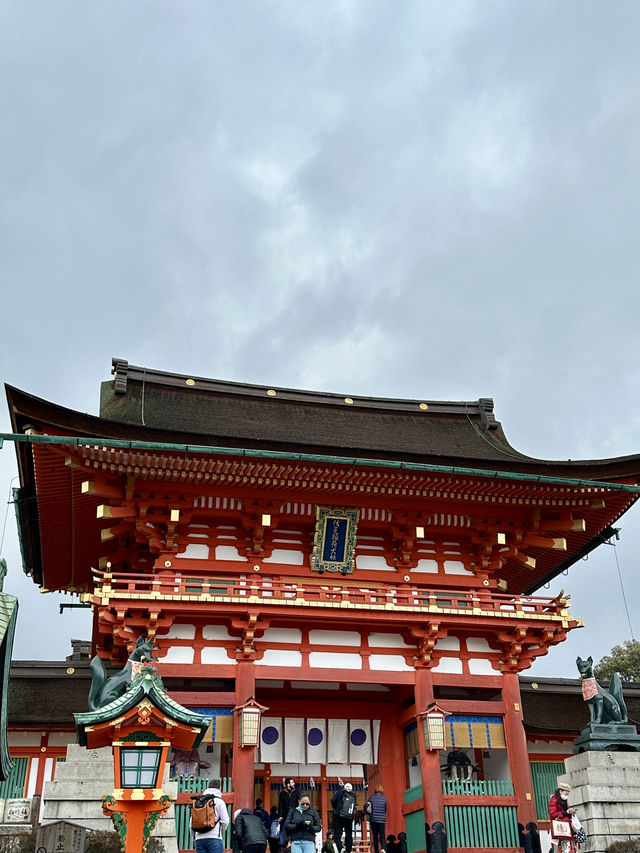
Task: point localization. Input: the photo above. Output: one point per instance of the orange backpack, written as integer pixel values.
(203, 813)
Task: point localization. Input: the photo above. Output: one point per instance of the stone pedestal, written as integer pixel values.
(607, 736)
(605, 791)
(81, 782)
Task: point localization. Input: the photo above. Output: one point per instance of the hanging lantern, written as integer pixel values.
(249, 716)
(433, 723)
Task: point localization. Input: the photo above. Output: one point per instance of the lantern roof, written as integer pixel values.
(146, 685)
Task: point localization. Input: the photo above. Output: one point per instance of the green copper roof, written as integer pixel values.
(146, 683)
(8, 617)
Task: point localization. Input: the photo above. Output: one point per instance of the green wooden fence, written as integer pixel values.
(477, 787)
(545, 781)
(13, 787)
(481, 826)
(194, 785)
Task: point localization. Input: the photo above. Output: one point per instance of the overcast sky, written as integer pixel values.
(420, 199)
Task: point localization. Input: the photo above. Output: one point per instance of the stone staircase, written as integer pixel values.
(81, 782)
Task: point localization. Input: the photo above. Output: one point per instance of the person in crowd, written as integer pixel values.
(559, 810)
(343, 804)
(376, 808)
(330, 845)
(211, 841)
(274, 830)
(251, 833)
(392, 844)
(301, 825)
(263, 814)
(287, 798)
(402, 842)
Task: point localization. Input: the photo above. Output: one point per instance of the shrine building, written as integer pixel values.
(356, 565)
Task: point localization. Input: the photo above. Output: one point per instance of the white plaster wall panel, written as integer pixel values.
(388, 641)
(453, 665)
(426, 567)
(496, 766)
(478, 644)
(61, 738)
(289, 558)
(179, 654)
(228, 552)
(299, 770)
(334, 638)
(371, 561)
(554, 746)
(455, 567)
(391, 663)
(215, 654)
(480, 666)
(33, 773)
(215, 632)
(24, 738)
(330, 660)
(448, 644)
(280, 657)
(194, 551)
(179, 632)
(282, 635)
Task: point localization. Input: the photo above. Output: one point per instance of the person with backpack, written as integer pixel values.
(263, 814)
(302, 824)
(376, 808)
(209, 819)
(274, 830)
(343, 803)
(251, 833)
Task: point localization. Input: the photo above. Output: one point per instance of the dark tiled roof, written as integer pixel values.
(141, 404)
(557, 706)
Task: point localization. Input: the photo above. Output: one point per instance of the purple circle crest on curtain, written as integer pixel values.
(358, 737)
(270, 735)
(315, 737)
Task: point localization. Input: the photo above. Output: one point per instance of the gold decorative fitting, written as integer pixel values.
(190, 382)
(348, 401)
(424, 407)
(256, 568)
(167, 564)
(407, 578)
(271, 393)
(70, 670)
(534, 685)
(485, 582)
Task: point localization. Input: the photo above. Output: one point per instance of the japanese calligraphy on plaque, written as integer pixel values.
(334, 542)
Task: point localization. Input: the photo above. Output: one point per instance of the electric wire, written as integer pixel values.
(624, 596)
(6, 512)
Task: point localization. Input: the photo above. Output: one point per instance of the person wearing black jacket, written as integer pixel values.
(302, 824)
(251, 833)
(287, 798)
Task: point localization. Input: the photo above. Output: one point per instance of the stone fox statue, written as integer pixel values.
(104, 690)
(605, 706)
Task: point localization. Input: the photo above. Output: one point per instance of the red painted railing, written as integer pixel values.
(271, 590)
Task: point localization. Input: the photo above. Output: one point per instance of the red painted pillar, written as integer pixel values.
(392, 773)
(243, 757)
(516, 741)
(429, 759)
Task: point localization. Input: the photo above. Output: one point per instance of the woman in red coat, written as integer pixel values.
(559, 810)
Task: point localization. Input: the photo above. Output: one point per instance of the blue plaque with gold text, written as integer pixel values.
(335, 540)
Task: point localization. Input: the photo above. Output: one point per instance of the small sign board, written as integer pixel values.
(17, 810)
(334, 542)
(63, 836)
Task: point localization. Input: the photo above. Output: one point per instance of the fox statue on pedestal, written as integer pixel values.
(104, 690)
(605, 706)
